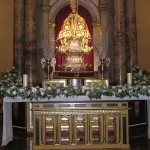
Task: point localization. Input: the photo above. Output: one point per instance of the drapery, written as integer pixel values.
(61, 16)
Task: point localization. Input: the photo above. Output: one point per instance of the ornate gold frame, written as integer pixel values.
(62, 82)
(96, 82)
(77, 125)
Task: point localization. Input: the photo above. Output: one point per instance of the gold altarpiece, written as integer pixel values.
(80, 124)
(58, 74)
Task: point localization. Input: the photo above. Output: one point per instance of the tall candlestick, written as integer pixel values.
(129, 78)
(25, 80)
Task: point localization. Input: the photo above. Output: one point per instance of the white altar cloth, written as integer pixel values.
(7, 135)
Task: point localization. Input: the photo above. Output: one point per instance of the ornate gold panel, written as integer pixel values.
(61, 82)
(96, 82)
(101, 124)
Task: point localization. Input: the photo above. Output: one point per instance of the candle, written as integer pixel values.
(107, 82)
(129, 78)
(25, 80)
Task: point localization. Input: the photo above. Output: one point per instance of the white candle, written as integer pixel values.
(129, 78)
(107, 82)
(25, 80)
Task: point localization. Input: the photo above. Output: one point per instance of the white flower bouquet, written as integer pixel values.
(11, 86)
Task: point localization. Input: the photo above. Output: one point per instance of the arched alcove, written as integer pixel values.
(98, 17)
(60, 17)
(89, 5)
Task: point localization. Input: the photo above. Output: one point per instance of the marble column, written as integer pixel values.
(97, 36)
(110, 17)
(19, 36)
(40, 53)
(30, 41)
(119, 42)
(45, 43)
(131, 36)
(52, 39)
(97, 39)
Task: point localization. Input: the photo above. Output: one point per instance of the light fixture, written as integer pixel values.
(73, 40)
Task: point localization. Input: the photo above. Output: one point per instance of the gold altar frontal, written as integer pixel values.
(80, 125)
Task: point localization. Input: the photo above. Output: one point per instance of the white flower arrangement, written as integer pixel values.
(11, 86)
(10, 78)
(141, 77)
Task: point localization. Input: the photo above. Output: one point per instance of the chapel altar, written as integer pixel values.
(76, 43)
(82, 124)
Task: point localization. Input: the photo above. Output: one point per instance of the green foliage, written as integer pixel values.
(11, 86)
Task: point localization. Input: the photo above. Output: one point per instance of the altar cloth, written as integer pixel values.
(7, 135)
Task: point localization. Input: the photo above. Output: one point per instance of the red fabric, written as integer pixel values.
(61, 16)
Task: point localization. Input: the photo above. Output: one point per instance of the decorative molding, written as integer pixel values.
(46, 8)
(102, 7)
(72, 120)
(96, 24)
(89, 5)
(52, 25)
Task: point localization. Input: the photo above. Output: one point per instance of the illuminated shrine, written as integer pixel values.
(77, 44)
(74, 40)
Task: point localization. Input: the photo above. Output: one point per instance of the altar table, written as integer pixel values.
(7, 110)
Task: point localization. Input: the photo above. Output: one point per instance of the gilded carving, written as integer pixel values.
(46, 8)
(52, 25)
(95, 127)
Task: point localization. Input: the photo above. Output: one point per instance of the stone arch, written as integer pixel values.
(89, 5)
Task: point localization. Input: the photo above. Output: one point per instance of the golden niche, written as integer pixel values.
(73, 42)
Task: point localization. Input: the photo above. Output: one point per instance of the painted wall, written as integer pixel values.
(143, 33)
(6, 34)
